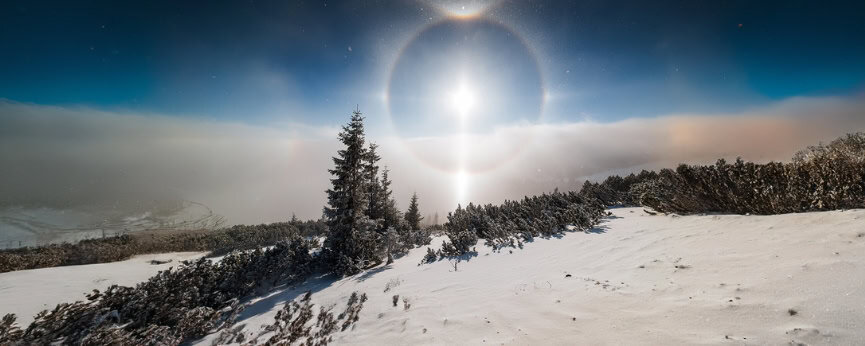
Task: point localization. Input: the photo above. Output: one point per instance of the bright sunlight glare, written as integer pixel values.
(463, 99)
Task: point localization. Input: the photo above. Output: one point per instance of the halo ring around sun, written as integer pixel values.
(514, 152)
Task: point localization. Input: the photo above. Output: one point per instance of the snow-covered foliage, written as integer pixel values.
(218, 242)
(9, 332)
(297, 323)
(352, 242)
(585, 287)
(172, 307)
(518, 221)
(412, 215)
(360, 211)
(823, 177)
(616, 190)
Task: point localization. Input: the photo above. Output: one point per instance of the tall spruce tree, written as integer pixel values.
(352, 242)
(412, 215)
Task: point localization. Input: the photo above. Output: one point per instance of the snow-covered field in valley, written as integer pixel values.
(27, 292)
(636, 279)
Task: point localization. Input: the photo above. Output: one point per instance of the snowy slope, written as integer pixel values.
(639, 279)
(737, 277)
(25, 293)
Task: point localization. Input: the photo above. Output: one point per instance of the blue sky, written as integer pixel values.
(288, 62)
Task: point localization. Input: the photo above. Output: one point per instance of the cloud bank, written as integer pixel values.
(67, 157)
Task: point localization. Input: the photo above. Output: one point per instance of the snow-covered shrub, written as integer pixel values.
(823, 177)
(544, 215)
(616, 190)
(9, 332)
(461, 232)
(174, 306)
(297, 323)
(412, 238)
(430, 257)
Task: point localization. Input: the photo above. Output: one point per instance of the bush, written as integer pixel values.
(430, 257)
(544, 215)
(298, 323)
(615, 190)
(172, 307)
(823, 177)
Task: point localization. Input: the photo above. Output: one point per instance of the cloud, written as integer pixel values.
(528, 159)
(65, 157)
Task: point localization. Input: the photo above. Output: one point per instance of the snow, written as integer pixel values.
(34, 226)
(25, 293)
(636, 279)
(771, 263)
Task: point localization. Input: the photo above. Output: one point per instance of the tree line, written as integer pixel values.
(101, 250)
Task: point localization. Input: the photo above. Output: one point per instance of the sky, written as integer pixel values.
(236, 104)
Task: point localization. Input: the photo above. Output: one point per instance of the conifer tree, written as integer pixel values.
(412, 215)
(352, 242)
(375, 209)
(390, 213)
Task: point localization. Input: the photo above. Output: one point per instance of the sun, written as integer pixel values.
(463, 98)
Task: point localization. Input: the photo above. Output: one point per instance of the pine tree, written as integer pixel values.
(375, 209)
(390, 213)
(412, 215)
(352, 242)
(390, 216)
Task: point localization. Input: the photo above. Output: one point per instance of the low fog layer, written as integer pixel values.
(71, 157)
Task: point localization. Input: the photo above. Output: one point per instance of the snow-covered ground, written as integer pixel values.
(25, 293)
(637, 279)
